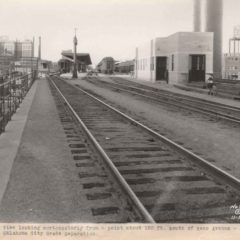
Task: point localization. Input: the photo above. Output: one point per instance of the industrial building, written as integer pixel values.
(179, 58)
(16, 55)
(232, 58)
(65, 64)
(232, 66)
(106, 65)
(185, 56)
(124, 67)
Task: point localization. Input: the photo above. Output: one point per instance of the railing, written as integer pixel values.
(12, 92)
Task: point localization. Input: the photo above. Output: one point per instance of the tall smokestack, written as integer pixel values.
(214, 11)
(197, 16)
(33, 43)
(39, 49)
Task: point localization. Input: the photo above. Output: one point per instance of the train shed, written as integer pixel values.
(179, 58)
(65, 64)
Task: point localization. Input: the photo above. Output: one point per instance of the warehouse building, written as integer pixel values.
(65, 64)
(17, 55)
(124, 67)
(106, 65)
(231, 68)
(179, 58)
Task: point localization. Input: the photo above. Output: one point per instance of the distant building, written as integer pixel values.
(179, 58)
(65, 64)
(232, 58)
(232, 67)
(44, 66)
(16, 54)
(54, 67)
(106, 65)
(124, 67)
(26, 65)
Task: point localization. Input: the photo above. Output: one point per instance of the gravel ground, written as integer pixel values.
(214, 140)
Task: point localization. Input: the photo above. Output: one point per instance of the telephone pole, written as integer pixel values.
(75, 56)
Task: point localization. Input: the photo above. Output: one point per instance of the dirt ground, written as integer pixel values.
(216, 141)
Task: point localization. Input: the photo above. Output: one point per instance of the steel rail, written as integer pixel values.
(168, 93)
(220, 174)
(200, 110)
(181, 97)
(116, 174)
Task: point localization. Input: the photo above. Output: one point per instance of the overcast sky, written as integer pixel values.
(104, 27)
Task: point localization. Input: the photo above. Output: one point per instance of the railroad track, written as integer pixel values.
(220, 111)
(161, 181)
(102, 200)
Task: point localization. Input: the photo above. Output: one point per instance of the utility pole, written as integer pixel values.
(39, 54)
(75, 56)
(39, 48)
(32, 57)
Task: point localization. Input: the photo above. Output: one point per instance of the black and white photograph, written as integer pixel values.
(119, 115)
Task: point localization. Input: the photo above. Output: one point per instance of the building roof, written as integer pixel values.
(44, 61)
(125, 63)
(105, 59)
(81, 57)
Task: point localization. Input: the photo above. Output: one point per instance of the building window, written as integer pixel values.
(172, 62)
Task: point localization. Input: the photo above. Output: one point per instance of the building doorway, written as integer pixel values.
(197, 68)
(161, 69)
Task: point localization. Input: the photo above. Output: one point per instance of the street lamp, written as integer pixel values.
(75, 56)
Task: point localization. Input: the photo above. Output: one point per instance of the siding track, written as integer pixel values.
(213, 109)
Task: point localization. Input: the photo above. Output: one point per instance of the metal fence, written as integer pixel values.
(12, 92)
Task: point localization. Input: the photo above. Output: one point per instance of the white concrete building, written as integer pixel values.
(180, 58)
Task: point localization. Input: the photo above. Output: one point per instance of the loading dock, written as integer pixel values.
(197, 68)
(161, 68)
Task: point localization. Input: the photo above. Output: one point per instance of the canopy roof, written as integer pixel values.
(81, 57)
